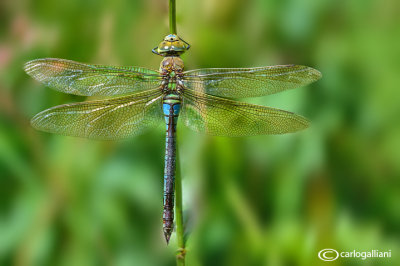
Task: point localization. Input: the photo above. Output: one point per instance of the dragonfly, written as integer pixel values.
(203, 99)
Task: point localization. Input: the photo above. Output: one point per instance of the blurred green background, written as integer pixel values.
(267, 200)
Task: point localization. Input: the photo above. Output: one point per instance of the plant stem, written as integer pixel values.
(172, 17)
(180, 257)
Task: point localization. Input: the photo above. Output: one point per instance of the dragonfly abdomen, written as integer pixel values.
(171, 108)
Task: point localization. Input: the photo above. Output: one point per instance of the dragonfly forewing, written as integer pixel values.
(91, 80)
(107, 119)
(249, 82)
(222, 117)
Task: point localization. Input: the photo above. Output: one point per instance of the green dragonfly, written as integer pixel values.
(199, 97)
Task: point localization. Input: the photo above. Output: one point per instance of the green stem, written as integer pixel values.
(172, 17)
(180, 257)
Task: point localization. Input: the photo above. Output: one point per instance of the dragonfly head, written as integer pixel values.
(171, 45)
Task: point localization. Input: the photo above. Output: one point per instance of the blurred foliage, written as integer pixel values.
(267, 200)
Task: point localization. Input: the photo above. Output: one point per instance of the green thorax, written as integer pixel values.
(171, 67)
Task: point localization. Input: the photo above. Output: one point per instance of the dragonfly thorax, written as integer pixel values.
(171, 64)
(171, 69)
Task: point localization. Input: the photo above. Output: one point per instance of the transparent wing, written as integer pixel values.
(91, 80)
(222, 117)
(249, 82)
(108, 119)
